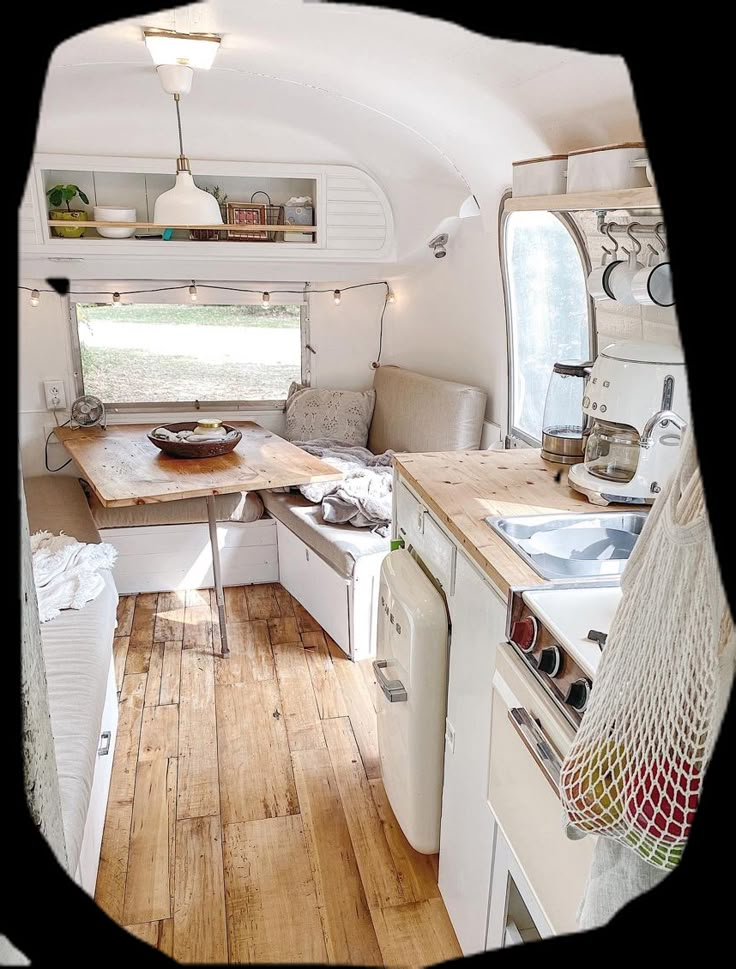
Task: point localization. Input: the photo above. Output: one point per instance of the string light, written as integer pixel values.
(193, 292)
(390, 298)
(116, 299)
(337, 296)
(35, 297)
(266, 299)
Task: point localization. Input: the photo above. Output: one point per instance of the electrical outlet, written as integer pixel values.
(55, 394)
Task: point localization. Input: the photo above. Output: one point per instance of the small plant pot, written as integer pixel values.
(74, 231)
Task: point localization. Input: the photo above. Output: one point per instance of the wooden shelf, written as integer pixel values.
(625, 198)
(222, 226)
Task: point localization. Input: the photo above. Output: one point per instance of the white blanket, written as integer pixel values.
(363, 496)
(67, 572)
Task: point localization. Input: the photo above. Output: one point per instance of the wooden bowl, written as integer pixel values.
(194, 449)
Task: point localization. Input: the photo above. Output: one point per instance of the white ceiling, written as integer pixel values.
(429, 108)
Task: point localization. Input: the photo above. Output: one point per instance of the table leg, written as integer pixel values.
(220, 595)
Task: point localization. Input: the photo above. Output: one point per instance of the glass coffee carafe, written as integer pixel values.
(565, 426)
(612, 451)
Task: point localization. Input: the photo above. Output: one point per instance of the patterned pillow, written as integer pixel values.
(340, 415)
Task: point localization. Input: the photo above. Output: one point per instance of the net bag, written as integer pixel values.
(635, 770)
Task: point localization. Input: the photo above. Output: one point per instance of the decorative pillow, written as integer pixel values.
(339, 415)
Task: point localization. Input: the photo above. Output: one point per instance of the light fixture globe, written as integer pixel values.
(470, 208)
(185, 204)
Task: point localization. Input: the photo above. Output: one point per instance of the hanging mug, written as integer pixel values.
(596, 281)
(652, 285)
(619, 280)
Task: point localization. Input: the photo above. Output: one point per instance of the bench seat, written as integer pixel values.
(339, 545)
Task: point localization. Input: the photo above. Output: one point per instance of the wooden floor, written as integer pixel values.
(247, 821)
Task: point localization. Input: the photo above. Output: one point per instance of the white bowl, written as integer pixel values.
(112, 213)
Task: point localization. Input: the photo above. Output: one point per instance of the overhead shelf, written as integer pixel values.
(625, 198)
(230, 227)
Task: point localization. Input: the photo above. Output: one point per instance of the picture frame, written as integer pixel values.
(246, 213)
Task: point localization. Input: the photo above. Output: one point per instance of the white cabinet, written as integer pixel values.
(419, 530)
(514, 915)
(478, 617)
(89, 854)
(322, 591)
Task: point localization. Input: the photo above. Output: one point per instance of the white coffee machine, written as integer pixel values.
(637, 400)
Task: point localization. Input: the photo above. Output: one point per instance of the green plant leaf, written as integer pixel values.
(83, 197)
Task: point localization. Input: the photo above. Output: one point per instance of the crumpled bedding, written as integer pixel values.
(67, 573)
(363, 497)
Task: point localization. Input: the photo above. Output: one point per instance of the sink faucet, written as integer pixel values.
(662, 417)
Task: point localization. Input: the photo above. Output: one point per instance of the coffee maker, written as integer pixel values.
(638, 404)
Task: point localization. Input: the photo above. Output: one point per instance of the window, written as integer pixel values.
(547, 311)
(169, 353)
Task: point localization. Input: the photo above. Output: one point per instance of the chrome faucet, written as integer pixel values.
(663, 417)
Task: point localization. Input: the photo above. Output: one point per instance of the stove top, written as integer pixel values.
(570, 614)
(549, 628)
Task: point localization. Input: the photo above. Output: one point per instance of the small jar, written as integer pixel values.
(210, 427)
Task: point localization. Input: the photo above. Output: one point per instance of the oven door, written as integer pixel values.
(529, 738)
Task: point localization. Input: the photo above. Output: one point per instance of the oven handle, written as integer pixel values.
(538, 746)
(393, 690)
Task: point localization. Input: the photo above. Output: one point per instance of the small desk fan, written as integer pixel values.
(87, 411)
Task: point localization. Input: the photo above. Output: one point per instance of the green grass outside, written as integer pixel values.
(273, 317)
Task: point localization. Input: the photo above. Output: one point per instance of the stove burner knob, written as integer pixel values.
(550, 661)
(524, 633)
(578, 694)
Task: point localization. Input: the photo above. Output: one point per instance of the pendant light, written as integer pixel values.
(184, 204)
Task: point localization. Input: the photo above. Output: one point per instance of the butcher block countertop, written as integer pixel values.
(462, 488)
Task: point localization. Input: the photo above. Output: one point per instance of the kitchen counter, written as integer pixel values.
(462, 488)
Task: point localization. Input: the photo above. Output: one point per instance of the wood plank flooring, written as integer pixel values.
(247, 821)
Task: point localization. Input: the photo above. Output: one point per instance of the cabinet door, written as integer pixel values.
(478, 618)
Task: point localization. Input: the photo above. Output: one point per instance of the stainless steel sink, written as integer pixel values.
(564, 546)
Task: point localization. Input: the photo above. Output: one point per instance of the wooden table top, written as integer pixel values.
(462, 488)
(124, 468)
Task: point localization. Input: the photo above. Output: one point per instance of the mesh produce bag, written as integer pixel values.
(635, 770)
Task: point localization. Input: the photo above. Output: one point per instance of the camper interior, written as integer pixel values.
(354, 434)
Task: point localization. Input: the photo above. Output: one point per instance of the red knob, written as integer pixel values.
(524, 633)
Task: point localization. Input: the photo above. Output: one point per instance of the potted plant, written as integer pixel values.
(212, 235)
(64, 194)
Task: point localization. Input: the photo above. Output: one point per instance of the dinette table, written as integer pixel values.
(123, 467)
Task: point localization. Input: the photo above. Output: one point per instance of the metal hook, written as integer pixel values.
(607, 228)
(660, 240)
(630, 234)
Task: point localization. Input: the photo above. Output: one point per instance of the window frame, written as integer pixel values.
(515, 436)
(131, 407)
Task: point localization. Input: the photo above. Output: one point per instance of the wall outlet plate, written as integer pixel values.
(55, 394)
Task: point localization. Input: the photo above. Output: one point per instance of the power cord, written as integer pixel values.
(46, 450)
(377, 362)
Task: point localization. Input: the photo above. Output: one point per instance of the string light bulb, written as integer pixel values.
(266, 299)
(391, 298)
(116, 299)
(337, 296)
(35, 297)
(193, 292)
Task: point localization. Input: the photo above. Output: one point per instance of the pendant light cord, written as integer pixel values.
(177, 98)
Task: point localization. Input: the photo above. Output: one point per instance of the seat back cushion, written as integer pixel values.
(56, 503)
(338, 415)
(416, 413)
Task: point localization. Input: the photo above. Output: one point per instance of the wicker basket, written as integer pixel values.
(193, 449)
(209, 235)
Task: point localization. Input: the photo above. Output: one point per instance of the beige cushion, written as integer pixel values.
(418, 413)
(339, 545)
(240, 507)
(339, 415)
(56, 503)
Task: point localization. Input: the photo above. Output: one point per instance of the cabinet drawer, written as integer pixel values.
(419, 529)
